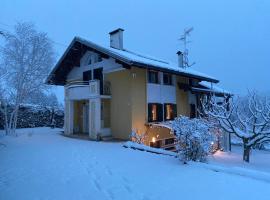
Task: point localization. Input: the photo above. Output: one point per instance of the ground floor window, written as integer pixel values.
(155, 112)
(170, 111)
(192, 110)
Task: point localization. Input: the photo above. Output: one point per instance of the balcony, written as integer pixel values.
(77, 90)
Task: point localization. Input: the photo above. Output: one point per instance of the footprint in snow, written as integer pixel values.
(109, 171)
(110, 194)
(127, 187)
(97, 185)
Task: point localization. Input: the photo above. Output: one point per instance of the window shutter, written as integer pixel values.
(150, 112)
(160, 112)
(174, 110)
(165, 111)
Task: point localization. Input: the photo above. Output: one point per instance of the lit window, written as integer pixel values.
(154, 112)
(169, 111)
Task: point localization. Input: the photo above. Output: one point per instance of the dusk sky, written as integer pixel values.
(230, 41)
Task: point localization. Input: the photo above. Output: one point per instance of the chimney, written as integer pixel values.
(180, 59)
(116, 39)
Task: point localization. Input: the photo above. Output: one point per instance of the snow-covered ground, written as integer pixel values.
(42, 164)
(259, 159)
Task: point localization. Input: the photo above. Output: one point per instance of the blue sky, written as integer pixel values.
(230, 41)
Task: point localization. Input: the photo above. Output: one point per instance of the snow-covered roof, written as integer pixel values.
(128, 58)
(149, 60)
(214, 87)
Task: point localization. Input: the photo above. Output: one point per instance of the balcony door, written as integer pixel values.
(98, 75)
(87, 75)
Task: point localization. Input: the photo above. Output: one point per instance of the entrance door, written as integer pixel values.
(98, 75)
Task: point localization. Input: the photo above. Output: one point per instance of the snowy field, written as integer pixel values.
(41, 164)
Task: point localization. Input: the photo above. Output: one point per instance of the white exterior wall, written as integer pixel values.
(192, 98)
(159, 93)
(69, 107)
(68, 117)
(79, 92)
(107, 65)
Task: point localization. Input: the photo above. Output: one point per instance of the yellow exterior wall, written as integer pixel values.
(78, 112)
(120, 103)
(106, 113)
(128, 102)
(182, 98)
(138, 99)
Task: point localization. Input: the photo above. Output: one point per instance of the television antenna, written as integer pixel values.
(184, 39)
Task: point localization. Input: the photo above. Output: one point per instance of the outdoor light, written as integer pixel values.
(153, 139)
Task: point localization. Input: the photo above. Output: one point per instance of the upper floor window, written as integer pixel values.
(153, 77)
(155, 112)
(170, 111)
(99, 58)
(87, 75)
(92, 58)
(89, 61)
(167, 79)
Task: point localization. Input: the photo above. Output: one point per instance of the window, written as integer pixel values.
(153, 77)
(87, 75)
(155, 112)
(190, 82)
(99, 58)
(89, 61)
(192, 110)
(170, 111)
(167, 79)
(93, 58)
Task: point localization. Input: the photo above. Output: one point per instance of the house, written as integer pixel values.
(110, 91)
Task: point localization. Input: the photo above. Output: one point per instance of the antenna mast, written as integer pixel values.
(185, 42)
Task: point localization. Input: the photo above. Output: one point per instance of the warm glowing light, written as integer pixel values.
(154, 139)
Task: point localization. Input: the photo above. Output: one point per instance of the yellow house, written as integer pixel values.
(110, 91)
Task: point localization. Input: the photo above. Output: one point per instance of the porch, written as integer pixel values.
(87, 109)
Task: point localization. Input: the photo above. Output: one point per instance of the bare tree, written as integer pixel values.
(248, 120)
(28, 57)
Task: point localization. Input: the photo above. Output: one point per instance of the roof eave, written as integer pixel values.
(142, 65)
(48, 80)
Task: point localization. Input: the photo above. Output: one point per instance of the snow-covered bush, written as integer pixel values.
(194, 138)
(137, 138)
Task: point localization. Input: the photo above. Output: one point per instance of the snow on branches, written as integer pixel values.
(195, 139)
(248, 118)
(137, 138)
